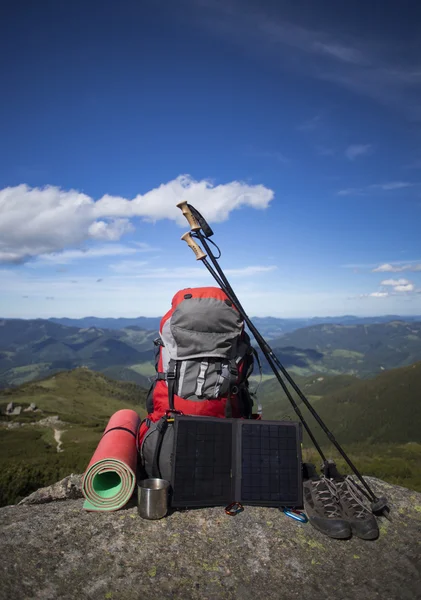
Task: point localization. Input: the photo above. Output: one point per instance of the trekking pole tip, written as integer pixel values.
(200, 255)
(184, 207)
(380, 506)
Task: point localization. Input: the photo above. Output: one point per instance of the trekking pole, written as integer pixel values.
(197, 222)
(200, 255)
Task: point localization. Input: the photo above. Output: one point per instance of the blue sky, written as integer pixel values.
(294, 127)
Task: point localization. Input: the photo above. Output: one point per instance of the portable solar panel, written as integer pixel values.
(219, 461)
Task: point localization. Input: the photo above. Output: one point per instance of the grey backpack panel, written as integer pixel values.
(205, 327)
(169, 349)
(204, 379)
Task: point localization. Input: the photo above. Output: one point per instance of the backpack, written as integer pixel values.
(203, 361)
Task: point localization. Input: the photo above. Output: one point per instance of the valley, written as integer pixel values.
(363, 379)
(72, 409)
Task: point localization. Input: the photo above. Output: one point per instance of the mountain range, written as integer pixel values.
(31, 349)
(148, 323)
(269, 327)
(362, 350)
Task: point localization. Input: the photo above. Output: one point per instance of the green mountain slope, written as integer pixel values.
(362, 350)
(385, 409)
(135, 373)
(79, 396)
(357, 338)
(38, 348)
(83, 400)
(377, 421)
(275, 403)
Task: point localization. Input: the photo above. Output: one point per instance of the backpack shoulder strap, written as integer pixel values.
(171, 380)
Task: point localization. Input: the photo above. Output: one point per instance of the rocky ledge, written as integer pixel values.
(57, 550)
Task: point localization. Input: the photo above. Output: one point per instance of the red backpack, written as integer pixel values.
(203, 361)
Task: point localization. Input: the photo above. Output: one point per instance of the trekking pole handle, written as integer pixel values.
(200, 255)
(194, 225)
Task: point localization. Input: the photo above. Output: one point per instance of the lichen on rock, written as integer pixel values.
(61, 551)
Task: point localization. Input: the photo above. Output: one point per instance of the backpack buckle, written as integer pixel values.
(173, 412)
(171, 370)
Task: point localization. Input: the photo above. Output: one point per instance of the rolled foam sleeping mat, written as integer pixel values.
(110, 477)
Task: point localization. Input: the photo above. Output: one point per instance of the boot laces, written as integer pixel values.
(351, 493)
(327, 493)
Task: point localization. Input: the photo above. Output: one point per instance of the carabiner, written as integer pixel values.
(234, 508)
(296, 515)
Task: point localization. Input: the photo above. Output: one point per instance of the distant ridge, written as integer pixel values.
(269, 327)
(353, 348)
(146, 323)
(34, 348)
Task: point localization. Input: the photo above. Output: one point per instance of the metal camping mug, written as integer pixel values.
(152, 498)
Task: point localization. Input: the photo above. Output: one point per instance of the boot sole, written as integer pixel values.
(373, 534)
(343, 534)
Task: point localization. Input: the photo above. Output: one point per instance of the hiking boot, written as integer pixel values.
(323, 509)
(355, 510)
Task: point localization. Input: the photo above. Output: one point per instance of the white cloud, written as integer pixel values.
(416, 164)
(397, 268)
(385, 187)
(39, 221)
(255, 270)
(371, 68)
(372, 295)
(310, 124)
(325, 150)
(395, 282)
(270, 155)
(399, 285)
(142, 291)
(135, 270)
(408, 287)
(393, 185)
(347, 191)
(69, 256)
(342, 53)
(388, 268)
(160, 203)
(101, 230)
(143, 247)
(128, 266)
(119, 295)
(356, 150)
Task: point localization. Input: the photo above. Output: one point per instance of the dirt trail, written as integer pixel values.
(57, 437)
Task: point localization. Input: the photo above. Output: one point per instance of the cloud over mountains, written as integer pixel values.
(41, 221)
